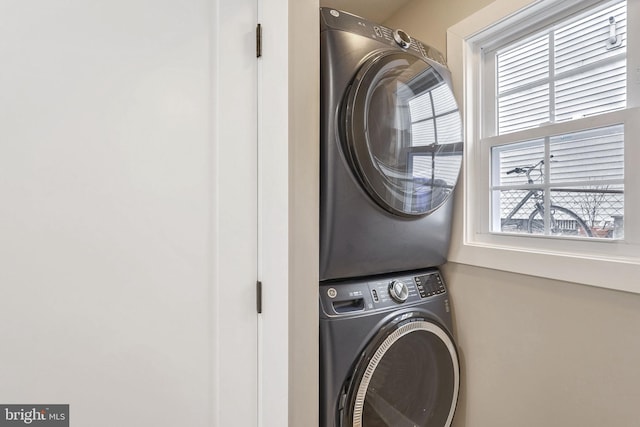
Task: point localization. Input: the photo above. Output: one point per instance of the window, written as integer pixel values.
(435, 121)
(551, 96)
(561, 185)
(575, 68)
(574, 185)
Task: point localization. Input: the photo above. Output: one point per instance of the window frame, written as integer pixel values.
(613, 264)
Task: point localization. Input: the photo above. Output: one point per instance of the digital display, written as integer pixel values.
(429, 285)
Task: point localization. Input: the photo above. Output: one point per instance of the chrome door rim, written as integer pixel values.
(407, 328)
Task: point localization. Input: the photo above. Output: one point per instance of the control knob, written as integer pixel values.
(402, 38)
(398, 291)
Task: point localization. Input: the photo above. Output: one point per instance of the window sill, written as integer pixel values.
(618, 273)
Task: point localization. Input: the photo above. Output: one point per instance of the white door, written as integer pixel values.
(235, 227)
(128, 210)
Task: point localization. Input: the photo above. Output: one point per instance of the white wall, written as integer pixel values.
(544, 353)
(534, 352)
(106, 192)
(304, 176)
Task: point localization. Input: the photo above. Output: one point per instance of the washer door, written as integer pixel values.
(403, 133)
(407, 377)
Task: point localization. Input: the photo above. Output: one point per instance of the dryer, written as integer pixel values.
(387, 354)
(391, 150)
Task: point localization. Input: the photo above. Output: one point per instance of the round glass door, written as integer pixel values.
(403, 134)
(408, 379)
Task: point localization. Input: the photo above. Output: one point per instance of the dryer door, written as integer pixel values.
(407, 377)
(403, 133)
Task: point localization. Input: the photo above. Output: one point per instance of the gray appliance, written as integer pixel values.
(391, 150)
(387, 354)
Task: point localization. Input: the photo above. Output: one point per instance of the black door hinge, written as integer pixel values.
(259, 296)
(259, 41)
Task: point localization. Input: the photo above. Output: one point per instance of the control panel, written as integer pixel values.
(345, 21)
(342, 298)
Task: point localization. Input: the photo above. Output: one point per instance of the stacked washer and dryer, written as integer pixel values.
(391, 150)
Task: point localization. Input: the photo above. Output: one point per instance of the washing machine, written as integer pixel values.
(387, 352)
(391, 150)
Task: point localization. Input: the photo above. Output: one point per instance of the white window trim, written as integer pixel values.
(607, 264)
